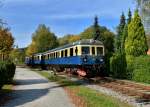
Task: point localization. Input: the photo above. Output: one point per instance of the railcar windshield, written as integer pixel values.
(93, 50)
(99, 51)
(85, 50)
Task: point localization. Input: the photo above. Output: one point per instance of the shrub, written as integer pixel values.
(141, 69)
(118, 65)
(7, 71)
(130, 66)
(107, 64)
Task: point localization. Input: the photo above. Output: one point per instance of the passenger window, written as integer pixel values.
(50, 56)
(99, 50)
(71, 51)
(54, 54)
(93, 50)
(62, 54)
(66, 53)
(85, 50)
(58, 54)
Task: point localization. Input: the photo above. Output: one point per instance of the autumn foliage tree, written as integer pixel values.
(68, 39)
(6, 42)
(18, 55)
(42, 40)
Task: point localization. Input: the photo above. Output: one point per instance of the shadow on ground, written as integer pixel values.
(22, 96)
(30, 81)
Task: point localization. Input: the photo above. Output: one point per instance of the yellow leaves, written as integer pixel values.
(68, 39)
(73, 38)
(6, 40)
(31, 49)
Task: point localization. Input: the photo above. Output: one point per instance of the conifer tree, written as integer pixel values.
(125, 30)
(136, 43)
(120, 31)
(96, 29)
(129, 16)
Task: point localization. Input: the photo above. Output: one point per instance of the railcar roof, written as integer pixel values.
(80, 42)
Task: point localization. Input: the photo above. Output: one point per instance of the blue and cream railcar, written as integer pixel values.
(35, 59)
(86, 56)
(83, 52)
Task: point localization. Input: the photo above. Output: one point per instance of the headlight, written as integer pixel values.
(101, 60)
(85, 59)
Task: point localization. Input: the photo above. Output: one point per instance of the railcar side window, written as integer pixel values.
(55, 54)
(66, 53)
(71, 51)
(93, 50)
(48, 56)
(52, 55)
(99, 50)
(85, 50)
(62, 54)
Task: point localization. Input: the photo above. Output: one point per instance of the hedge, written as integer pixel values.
(118, 65)
(139, 68)
(7, 72)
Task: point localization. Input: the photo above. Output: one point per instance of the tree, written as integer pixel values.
(42, 40)
(120, 32)
(31, 49)
(68, 39)
(129, 17)
(125, 31)
(118, 65)
(6, 42)
(96, 29)
(136, 43)
(148, 40)
(18, 55)
(100, 33)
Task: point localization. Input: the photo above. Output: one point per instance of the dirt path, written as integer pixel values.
(33, 90)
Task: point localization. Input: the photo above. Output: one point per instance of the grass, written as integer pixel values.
(7, 87)
(96, 99)
(91, 97)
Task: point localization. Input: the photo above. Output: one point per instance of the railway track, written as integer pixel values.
(140, 92)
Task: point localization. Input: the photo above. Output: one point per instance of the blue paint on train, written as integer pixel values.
(73, 60)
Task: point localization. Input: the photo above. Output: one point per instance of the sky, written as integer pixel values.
(62, 16)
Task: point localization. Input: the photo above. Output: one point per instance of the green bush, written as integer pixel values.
(141, 69)
(107, 63)
(118, 65)
(130, 66)
(7, 71)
